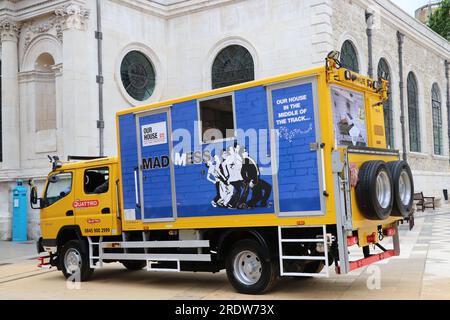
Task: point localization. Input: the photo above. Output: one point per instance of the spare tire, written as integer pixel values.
(375, 190)
(403, 188)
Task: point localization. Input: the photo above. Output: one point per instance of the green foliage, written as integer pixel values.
(440, 20)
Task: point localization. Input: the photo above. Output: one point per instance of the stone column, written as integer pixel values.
(78, 123)
(9, 35)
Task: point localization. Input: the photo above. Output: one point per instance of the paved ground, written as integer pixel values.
(16, 251)
(420, 272)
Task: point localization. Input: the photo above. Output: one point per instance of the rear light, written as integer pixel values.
(371, 238)
(352, 240)
(389, 232)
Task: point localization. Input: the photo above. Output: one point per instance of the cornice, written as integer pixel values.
(23, 10)
(413, 29)
(172, 10)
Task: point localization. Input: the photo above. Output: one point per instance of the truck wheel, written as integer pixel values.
(134, 265)
(375, 190)
(248, 271)
(74, 261)
(403, 188)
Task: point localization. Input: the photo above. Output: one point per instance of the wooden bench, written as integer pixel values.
(423, 202)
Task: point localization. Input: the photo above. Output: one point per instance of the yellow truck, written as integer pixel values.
(279, 177)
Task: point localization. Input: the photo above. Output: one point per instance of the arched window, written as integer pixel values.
(232, 65)
(437, 119)
(385, 73)
(349, 57)
(413, 113)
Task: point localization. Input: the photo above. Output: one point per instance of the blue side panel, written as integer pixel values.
(252, 118)
(298, 180)
(129, 160)
(195, 193)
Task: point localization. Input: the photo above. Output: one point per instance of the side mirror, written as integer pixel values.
(35, 202)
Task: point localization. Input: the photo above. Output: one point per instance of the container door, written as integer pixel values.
(156, 179)
(296, 154)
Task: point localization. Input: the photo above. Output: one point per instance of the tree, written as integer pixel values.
(440, 20)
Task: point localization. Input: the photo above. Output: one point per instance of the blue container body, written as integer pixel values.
(20, 219)
(297, 184)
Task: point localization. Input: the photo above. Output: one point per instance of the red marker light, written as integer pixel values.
(389, 232)
(352, 240)
(371, 238)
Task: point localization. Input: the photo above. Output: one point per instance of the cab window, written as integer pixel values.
(59, 185)
(96, 180)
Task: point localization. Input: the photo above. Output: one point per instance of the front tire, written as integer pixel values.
(247, 269)
(74, 261)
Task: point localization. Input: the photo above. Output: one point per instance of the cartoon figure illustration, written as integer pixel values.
(235, 174)
(233, 164)
(260, 189)
(224, 191)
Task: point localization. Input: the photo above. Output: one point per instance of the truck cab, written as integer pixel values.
(80, 199)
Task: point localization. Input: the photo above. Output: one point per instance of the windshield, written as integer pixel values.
(59, 185)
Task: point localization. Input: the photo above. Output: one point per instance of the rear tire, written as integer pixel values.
(248, 271)
(403, 188)
(74, 261)
(134, 265)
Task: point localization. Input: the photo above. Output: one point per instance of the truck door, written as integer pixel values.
(156, 172)
(297, 156)
(93, 203)
(58, 198)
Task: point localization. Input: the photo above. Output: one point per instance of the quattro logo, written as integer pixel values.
(85, 203)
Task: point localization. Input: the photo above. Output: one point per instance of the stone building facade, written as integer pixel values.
(49, 69)
(424, 12)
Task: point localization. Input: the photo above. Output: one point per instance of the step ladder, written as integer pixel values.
(324, 239)
(92, 263)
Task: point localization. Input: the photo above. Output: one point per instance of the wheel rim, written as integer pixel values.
(404, 188)
(383, 189)
(247, 267)
(72, 260)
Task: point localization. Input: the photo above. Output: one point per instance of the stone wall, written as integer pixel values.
(6, 211)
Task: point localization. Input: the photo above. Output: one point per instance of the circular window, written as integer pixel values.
(137, 75)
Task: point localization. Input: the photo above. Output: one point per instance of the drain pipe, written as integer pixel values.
(369, 22)
(447, 76)
(400, 40)
(100, 121)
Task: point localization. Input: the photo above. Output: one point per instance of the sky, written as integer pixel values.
(410, 5)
